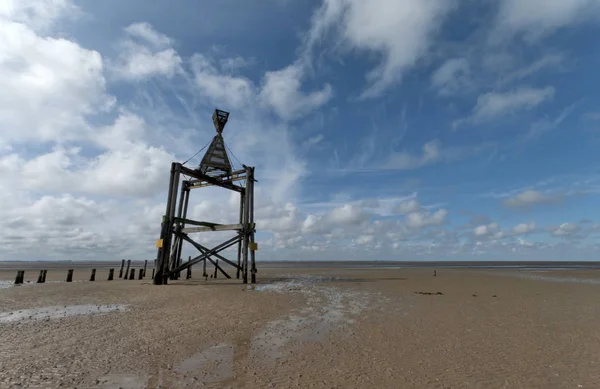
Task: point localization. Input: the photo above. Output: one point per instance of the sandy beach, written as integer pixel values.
(304, 328)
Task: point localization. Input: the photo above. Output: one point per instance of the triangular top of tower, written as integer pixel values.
(220, 119)
(216, 161)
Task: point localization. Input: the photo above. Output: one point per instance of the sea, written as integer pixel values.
(530, 265)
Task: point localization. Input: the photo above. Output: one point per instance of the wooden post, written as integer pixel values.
(132, 274)
(111, 274)
(40, 279)
(153, 273)
(166, 234)
(239, 253)
(44, 278)
(216, 267)
(204, 274)
(70, 275)
(177, 243)
(122, 266)
(127, 270)
(186, 201)
(93, 275)
(251, 217)
(189, 270)
(245, 231)
(141, 275)
(174, 260)
(20, 276)
(175, 169)
(145, 266)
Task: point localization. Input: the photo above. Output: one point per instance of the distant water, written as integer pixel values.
(543, 275)
(548, 265)
(54, 312)
(23, 265)
(440, 265)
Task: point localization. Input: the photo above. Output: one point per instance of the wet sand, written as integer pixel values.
(321, 328)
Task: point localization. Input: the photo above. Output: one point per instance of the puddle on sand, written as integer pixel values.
(56, 312)
(213, 364)
(541, 277)
(4, 284)
(327, 309)
(121, 381)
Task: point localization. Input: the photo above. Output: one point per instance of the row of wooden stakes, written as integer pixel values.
(111, 272)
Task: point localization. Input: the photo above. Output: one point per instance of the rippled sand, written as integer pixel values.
(325, 328)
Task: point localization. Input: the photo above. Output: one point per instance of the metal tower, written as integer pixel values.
(214, 170)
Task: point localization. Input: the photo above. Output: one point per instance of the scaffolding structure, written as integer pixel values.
(215, 169)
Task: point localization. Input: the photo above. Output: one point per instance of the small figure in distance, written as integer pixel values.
(434, 273)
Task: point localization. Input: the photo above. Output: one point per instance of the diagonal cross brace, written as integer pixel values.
(209, 258)
(203, 249)
(218, 267)
(211, 180)
(202, 257)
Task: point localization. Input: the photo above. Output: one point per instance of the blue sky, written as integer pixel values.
(399, 130)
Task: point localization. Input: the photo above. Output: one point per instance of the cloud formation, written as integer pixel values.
(492, 105)
(374, 26)
(538, 18)
(153, 56)
(89, 125)
(529, 198)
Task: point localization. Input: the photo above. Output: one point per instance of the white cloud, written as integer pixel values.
(526, 244)
(537, 18)
(364, 239)
(141, 63)
(50, 224)
(405, 160)
(127, 130)
(348, 214)
(370, 203)
(546, 124)
(400, 31)
(278, 219)
(492, 232)
(47, 86)
(155, 57)
(146, 32)
(408, 206)
(486, 230)
(314, 140)
(451, 77)
(523, 228)
(138, 170)
(39, 15)
(281, 92)
(236, 92)
(547, 61)
(493, 104)
(424, 219)
(345, 216)
(528, 198)
(565, 229)
(235, 63)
